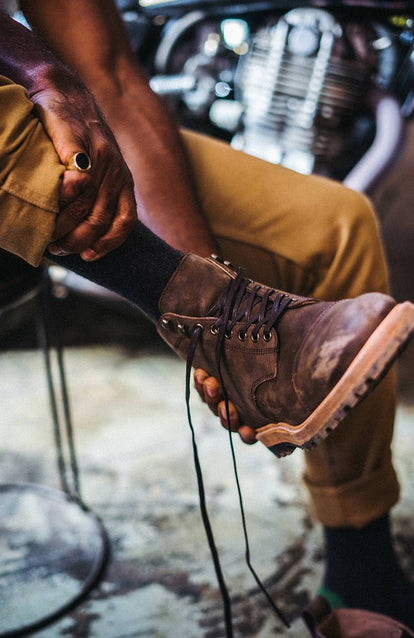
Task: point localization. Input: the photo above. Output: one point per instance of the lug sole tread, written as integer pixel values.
(398, 325)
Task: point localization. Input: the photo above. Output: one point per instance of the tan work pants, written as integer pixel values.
(306, 235)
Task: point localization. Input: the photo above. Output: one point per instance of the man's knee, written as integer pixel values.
(358, 221)
(343, 214)
(356, 258)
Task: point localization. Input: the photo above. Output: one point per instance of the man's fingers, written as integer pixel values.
(113, 215)
(212, 393)
(95, 233)
(122, 225)
(234, 422)
(75, 202)
(81, 237)
(247, 434)
(199, 377)
(74, 184)
(93, 226)
(97, 207)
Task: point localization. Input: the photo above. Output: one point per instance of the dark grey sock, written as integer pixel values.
(138, 270)
(362, 570)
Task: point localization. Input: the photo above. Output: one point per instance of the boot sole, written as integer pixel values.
(364, 373)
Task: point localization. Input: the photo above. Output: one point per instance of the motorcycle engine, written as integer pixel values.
(291, 89)
(301, 88)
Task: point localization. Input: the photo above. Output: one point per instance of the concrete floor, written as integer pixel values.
(137, 474)
(127, 394)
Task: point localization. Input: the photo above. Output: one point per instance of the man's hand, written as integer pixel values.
(97, 208)
(210, 392)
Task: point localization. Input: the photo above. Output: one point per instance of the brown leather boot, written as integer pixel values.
(292, 366)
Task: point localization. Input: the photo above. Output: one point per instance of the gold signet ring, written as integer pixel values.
(79, 162)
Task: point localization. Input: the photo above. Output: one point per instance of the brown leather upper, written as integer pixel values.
(322, 622)
(286, 378)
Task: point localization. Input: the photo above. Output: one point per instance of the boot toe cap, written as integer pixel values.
(329, 347)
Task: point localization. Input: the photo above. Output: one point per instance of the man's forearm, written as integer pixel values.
(25, 59)
(152, 147)
(89, 36)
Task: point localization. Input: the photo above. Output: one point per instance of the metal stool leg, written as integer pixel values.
(53, 548)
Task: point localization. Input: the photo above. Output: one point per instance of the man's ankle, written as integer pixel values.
(362, 571)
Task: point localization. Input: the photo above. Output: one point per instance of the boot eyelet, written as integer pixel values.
(241, 336)
(228, 335)
(198, 325)
(182, 329)
(214, 330)
(267, 337)
(254, 338)
(166, 324)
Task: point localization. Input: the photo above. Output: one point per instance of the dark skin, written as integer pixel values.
(210, 392)
(97, 208)
(89, 36)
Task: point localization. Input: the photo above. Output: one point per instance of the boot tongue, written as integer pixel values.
(195, 286)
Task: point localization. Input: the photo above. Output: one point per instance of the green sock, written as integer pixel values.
(331, 597)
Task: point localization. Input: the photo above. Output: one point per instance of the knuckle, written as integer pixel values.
(101, 145)
(127, 213)
(106, 153)
(98, 219)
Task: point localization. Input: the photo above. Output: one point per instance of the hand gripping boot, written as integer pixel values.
(292, 366)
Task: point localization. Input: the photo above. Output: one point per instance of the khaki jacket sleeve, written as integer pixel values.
(30, 177)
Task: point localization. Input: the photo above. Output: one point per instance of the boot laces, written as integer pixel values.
(248, 305)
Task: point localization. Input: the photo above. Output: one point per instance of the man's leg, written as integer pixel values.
(313, 237)
(29, 200)
(316, 238)
(300, 244)
(130, 269)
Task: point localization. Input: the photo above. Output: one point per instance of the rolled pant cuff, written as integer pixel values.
(356, 503)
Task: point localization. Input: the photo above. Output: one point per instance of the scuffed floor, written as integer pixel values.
(136, 468)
